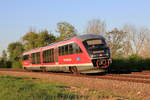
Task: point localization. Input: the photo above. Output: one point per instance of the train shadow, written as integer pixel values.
(94, 74)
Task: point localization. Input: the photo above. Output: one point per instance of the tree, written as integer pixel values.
(44, 38)
(4, 55)
(30, 40)
(65, 30)
(145, 51)
(15, 51)
(4, 62)
(34, 39)
(136, 38)
(117, 42)
(96, 26)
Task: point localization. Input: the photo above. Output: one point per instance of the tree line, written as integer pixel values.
(123, 42)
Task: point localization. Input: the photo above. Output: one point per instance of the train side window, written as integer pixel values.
(45, 56)
(60, 51)
(66, 50)
(48, 56)
(70, 49)
(52, 55)
(35, 58)
(38, 57)
(63, 50)
(77, 49)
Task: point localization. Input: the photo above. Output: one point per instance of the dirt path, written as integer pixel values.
(127, 89)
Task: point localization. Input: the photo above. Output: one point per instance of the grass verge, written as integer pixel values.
(23, 88)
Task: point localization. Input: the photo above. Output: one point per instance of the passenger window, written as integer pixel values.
(48, 56)
(60, 53)
(35, 58)
(63, 50)
(77, 49)
(66, 50)
(70, 49)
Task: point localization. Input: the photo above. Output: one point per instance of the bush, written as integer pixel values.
(146, 64)
(135, 62)
(9, 64)
(132, 63)
(16, 64)
(5, 64)
(119, 65)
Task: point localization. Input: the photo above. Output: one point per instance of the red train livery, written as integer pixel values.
(86, 53)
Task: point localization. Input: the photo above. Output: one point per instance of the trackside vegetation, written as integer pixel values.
(130, 64)
(23, 88)
(19, 88)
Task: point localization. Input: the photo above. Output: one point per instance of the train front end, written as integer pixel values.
(98, 51)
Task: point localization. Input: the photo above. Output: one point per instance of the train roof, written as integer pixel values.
(89, 36)
(81, 37)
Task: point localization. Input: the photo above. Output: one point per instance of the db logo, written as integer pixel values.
(78, 58)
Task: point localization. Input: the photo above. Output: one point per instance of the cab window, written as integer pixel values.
(26, 57)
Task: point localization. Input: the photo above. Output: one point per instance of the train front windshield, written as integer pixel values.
(97, 48)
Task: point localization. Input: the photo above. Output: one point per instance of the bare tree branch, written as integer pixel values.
(96, 26)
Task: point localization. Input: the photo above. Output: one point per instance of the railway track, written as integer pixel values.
(133, 77)
(129, 78)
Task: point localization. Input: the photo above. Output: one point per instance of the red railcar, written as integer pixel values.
(84, 53)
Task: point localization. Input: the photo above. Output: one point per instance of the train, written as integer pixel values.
(87, 53)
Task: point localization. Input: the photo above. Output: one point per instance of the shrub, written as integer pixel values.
(5, 64)
(132, 63)
(135, 62)
(16, 64)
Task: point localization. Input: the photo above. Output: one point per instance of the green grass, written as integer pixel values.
(24, 88)
(18, 88)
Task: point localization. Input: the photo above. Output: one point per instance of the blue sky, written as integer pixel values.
(17, 16)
